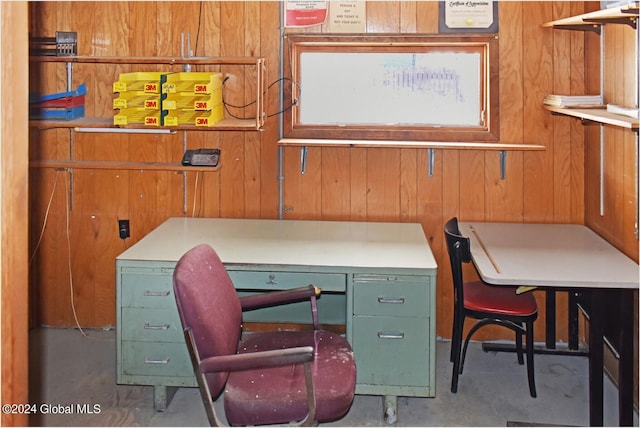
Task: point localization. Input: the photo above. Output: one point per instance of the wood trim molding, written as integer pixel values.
(14, 168)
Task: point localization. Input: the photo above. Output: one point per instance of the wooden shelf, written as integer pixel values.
(227, 124)
(117, 165)
(300, 142)
(159, 60)
(592, 21)
(598, 115)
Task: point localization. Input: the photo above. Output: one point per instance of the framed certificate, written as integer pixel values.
(468, 16)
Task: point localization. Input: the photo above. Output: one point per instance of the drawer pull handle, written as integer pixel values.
(398, 301)
(383, 335)
(148, 326)
(272, 280)
(150, 361)
(156, 293)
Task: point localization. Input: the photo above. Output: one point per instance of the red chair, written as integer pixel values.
(488, 304)
(267, 378)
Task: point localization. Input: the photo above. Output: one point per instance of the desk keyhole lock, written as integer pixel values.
(272, 280)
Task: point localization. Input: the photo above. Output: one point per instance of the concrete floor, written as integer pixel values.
(69, 368)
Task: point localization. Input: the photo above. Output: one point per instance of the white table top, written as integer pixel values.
(552, 255)
(290, 242)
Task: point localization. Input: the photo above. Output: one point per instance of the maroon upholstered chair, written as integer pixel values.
(488, 304)
(268, 377)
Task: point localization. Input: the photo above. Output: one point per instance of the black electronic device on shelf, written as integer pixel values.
(201, 157)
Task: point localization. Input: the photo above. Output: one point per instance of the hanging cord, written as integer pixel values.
(195, 195)
(46, 217)
(68, 236)
(68, 232)
(250, 103)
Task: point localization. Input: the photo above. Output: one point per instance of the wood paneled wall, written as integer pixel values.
(554, 185)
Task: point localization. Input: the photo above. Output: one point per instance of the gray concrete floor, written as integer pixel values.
(68, 368)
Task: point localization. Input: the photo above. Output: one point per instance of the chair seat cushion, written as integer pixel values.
(278, 395)
(503, 300)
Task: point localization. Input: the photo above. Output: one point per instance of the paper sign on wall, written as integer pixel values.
(347, 16)
(303, 13)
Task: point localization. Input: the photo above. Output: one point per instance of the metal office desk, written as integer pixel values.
(378, 279)
(569, 257)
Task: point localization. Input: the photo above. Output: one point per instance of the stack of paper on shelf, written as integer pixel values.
(573, 100)
(625, 111)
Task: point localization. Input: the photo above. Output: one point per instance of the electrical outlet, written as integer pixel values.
(123, 229)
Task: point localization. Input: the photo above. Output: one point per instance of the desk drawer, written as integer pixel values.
(156, 359)
(406, 296)
(250, 280)
(392, 350)
(151, 325)
(148, 291)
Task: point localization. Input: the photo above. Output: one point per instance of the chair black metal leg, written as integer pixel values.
(454, 334)
(519, 347)
(475, 328)
(530, 368)
(456, 342)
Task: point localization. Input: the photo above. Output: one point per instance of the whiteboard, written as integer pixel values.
(391, 88)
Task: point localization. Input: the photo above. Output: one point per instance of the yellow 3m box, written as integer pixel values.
(194, 117)
(145, 81)
(137, 116)
(195, 82)
(137, 99)
(186, 100)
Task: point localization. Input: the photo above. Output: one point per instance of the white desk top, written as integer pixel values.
(552, 255)
(290, 242)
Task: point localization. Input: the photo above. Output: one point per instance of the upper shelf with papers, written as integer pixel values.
(593, 21)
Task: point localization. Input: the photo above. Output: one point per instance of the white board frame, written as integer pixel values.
(374, 87)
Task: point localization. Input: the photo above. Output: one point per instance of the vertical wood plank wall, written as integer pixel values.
(555, 185)
(14, 174)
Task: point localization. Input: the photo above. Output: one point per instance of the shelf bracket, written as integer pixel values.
(430, 161)
(595, 27)
(503, 164)
(627, 20)
(303, 159)
(184, 177)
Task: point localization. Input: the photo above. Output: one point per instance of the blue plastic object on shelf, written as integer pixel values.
(59, 106)
(57, 113)
(82, 90)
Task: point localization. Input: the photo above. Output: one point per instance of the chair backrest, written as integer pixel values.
(459, 252)
(208, 305)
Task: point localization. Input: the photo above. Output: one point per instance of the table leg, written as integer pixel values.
(625, 363)
(572, 315)
(550, 330)
(550, 318)
(596, 358)
(390, 409)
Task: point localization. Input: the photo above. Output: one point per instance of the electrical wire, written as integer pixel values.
(195, 194)
(250, 103)
(68, 233)
(195, 50)
(46, 217)
(68, 236)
